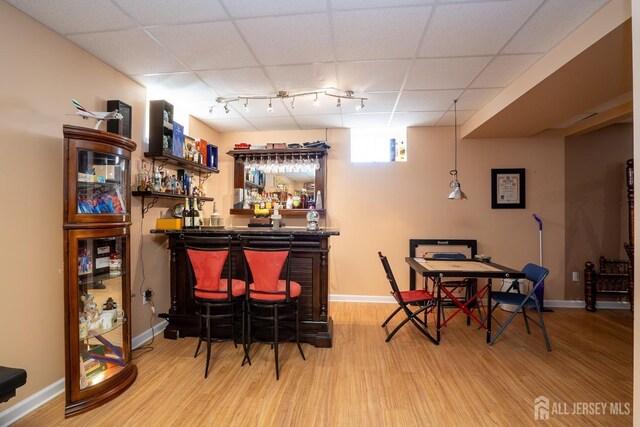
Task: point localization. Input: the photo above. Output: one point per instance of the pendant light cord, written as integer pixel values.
(454, 172)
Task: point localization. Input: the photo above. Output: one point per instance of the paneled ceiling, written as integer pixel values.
(410, 58)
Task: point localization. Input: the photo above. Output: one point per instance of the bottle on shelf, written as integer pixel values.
(186, 215)
(319, 200)
(157, 180)
(304, 200)
(195, 214)
(115, 263)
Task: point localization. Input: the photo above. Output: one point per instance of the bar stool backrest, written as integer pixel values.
(265, 257)
(206, 258)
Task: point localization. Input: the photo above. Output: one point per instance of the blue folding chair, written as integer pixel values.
(536, 275)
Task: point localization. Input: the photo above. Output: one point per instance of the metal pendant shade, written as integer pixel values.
(457, 193)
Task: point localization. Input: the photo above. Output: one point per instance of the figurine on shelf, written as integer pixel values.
(91, 312)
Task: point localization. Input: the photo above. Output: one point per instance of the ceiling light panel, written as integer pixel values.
(252, 8)
(288, 40)
(132, 52)
(379, 33)
(474, 29)
(445, 73)
(552, 23)
(62, 15)
(373, 76)
(214, 45)
(237, 82)
(151, 12)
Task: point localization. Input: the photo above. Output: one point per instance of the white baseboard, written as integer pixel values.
(548, 303)
(41, 397)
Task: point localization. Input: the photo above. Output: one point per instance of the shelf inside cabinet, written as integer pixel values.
(253, 185)
(283, 212)
(155, 196)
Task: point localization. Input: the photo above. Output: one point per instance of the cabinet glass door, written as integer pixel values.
(100, 299)
(100, 186)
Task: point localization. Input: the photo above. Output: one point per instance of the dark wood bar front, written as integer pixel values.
(310, 268)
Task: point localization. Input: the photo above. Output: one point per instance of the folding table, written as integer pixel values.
(440, 268)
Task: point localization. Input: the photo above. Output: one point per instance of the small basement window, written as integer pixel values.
(378, 145)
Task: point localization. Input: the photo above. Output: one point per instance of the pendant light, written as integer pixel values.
(457, 193)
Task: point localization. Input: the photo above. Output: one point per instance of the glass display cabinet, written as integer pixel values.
(98, 362)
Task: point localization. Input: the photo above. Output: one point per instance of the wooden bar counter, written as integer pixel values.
(310, 268)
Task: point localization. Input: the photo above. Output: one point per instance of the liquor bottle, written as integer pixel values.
(319, 200)
(195, 214)
(186, 215)
(402, 152)
(157, 179)
(304, 200)
(115, 263)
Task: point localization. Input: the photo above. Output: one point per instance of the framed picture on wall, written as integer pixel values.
(507, 189)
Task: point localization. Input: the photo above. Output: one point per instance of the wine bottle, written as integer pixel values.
(186, 215)
(195, 213)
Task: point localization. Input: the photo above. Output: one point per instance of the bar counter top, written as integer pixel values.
(299, 231)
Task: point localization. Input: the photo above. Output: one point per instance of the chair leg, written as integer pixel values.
(298, 333)
(511, 317)
(247, 359)
(526, 319)
(391, 316)
(275, 339)
(206, 369)
(544, 330)
(245, 320)
(199, 331)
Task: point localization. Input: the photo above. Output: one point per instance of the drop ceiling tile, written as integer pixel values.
(132, 52)
(274, 123)
(176, 86)
(287, 40)
(551, 23)
(75, 16)
(241, 81)
(447, 118)
(214, 45)
(504, 69)
(475, 99)
(228, 125)
(252, 8)
(323, 121)
(474, 28)
(372, 76)
(378, 33)
(152, 12)
(415, 119)
(366, 4)
(445, 73)
(363, 120)
(377, 102)
(305, 77)
(427, 100)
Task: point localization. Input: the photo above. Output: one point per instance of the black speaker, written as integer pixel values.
(123, 126)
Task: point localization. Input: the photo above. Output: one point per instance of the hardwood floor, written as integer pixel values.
(363, 381)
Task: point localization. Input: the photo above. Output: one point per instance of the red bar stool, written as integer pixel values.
(221, 302)
(272, 302)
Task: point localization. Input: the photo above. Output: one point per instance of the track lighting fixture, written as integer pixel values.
(348, 94)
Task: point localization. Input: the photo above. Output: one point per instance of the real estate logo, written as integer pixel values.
(541, 408)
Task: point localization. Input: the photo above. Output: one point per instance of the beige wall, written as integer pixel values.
(597, 212)
(381, 206)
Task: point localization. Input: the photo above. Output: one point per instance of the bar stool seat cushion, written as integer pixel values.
(279, 294)
(237, 289)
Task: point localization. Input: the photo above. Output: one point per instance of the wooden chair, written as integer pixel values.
(421, 298)
(272, 302)
(221, 302)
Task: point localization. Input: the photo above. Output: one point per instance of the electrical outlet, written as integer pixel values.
(146, 296)
(576, 276)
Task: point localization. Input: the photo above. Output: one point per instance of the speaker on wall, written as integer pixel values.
(123, 126)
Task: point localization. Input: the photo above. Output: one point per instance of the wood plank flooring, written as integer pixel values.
(363, 381)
